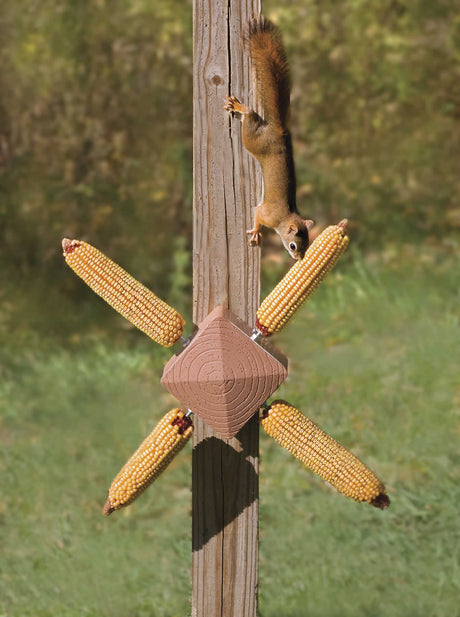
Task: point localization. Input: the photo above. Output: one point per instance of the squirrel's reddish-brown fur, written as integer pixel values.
(268, 138)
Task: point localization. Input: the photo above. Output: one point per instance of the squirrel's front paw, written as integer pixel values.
(255, 237)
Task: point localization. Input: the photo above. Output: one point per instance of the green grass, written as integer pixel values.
(375, 360)
(380, 370)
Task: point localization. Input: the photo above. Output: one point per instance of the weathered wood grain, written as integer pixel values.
(226, 272)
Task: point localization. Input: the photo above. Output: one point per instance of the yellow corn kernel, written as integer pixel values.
(302, 279)
(124, 293)
(150, 459)
(322, 454)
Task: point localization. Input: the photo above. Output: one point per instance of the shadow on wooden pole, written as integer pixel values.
(226, 272)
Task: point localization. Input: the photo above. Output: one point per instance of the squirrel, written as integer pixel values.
(269, 140)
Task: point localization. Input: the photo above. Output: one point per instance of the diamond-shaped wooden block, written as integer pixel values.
(223, 375)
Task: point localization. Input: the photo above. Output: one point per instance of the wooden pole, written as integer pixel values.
(226, 272)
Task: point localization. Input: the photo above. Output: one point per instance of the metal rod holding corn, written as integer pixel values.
(322, 454)
(124, 293)
(151, 458)
(302, 279)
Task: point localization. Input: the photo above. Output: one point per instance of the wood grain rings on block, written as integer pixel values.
(223, 375)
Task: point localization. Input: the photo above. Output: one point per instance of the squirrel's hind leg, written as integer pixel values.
(232, 105)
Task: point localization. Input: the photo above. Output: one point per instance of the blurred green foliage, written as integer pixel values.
(96, 125)
(96, 143)
(376, 112)
(95, 131)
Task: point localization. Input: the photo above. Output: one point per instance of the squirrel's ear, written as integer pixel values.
(309, 223)
(293, 228)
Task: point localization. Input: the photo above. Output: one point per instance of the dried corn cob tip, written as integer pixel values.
(124, 293)
(322, 454)
(302, 279)
(151, 458)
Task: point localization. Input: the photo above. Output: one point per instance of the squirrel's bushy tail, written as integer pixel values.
(263, 41)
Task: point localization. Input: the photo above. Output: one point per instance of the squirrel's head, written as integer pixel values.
(296, 240)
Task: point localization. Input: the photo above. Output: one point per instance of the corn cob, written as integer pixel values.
(322, 454)
(150, 459)
(124, 293)
(302, 279)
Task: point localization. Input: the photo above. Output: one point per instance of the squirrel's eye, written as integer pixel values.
(293, 246)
